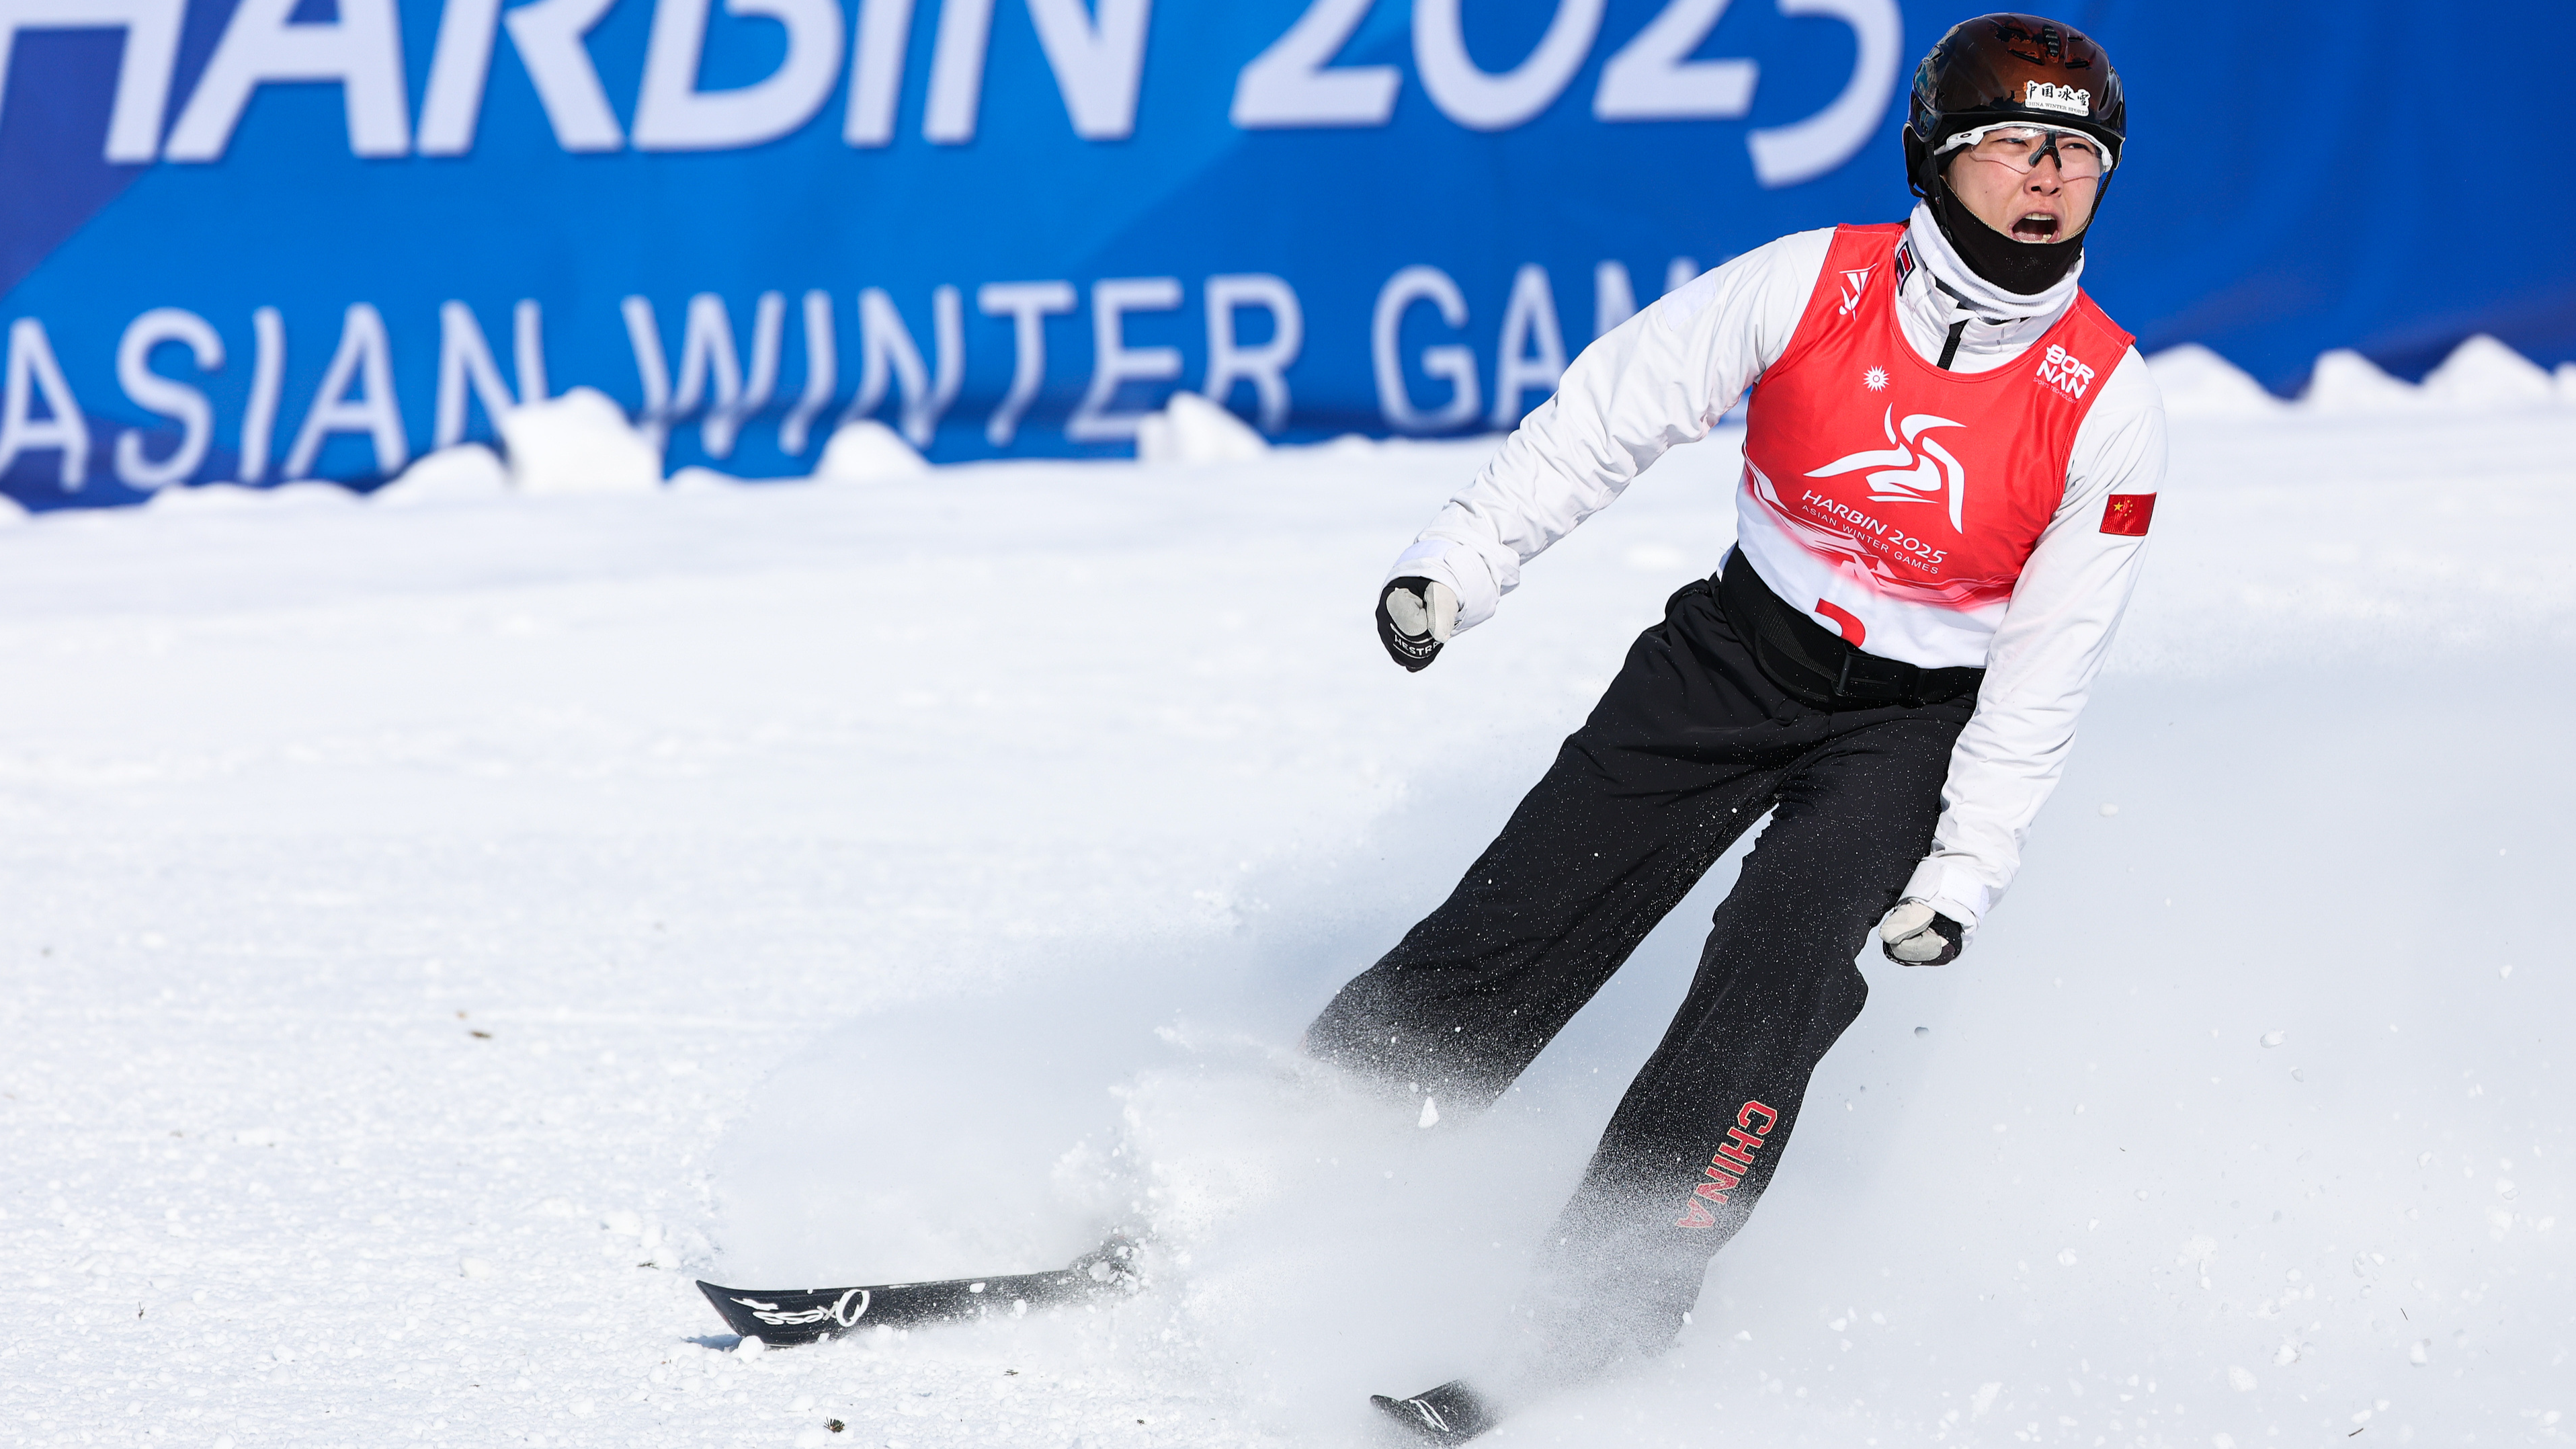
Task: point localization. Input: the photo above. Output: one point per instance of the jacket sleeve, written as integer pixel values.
(1662, 378)
(2052, 641)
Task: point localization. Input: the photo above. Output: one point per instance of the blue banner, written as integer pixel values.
(260, 240)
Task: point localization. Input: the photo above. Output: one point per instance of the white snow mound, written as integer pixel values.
(2345, 382)
(696, 479)
(867, 451)
(2198, 383)
(1192, 429)
(464, 473)
(2484, 375)
(234, 497)
(580, 442)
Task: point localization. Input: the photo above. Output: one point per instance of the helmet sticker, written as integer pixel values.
(2045, 96)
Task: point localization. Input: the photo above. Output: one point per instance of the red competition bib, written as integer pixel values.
(1922, 485)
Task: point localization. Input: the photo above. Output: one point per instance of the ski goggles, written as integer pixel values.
(2022, 147)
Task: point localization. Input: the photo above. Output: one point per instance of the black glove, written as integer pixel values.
(1414, 618)
(1914, 934)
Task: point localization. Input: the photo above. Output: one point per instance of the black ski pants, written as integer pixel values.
(1691, 744)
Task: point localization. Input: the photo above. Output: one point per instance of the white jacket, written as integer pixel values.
(1667, 375)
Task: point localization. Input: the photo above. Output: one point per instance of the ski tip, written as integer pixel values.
(1449, 1414)
(720, 1295)
(779, 1319)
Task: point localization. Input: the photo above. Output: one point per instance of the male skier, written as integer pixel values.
(1951, 458)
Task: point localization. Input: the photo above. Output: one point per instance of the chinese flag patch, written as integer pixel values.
(2127, 514)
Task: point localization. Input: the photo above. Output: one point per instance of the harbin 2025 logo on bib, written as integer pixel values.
(1912, 468)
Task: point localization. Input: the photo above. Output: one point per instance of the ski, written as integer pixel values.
(807, 1315)
(1450, 1414)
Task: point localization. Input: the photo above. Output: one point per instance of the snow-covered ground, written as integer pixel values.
(433, 935)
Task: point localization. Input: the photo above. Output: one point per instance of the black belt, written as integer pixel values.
(1816, 666)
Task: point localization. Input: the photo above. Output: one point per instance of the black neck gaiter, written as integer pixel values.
(2020, 267)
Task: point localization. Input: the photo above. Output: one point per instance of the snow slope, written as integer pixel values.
(434, 935)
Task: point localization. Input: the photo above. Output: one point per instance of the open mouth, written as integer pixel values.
(2036, 227)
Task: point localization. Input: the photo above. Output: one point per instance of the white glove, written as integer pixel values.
(1914, 934)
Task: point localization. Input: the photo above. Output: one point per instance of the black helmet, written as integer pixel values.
(2011, 67)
